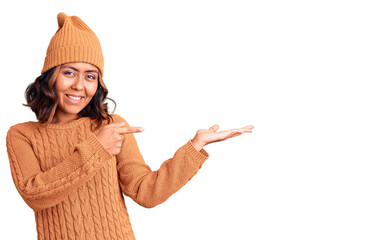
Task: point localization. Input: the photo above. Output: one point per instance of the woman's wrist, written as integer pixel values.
(197, 144)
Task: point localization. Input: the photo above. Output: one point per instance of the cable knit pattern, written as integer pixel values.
(75, 187)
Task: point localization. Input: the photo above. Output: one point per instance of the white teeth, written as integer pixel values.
(74, 98)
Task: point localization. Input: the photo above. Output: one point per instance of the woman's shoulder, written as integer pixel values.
(117, 118)
(24, 128)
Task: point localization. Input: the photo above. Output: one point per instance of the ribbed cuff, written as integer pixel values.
(199, 156)
(97, 147)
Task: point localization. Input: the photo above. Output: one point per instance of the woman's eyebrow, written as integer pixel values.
(77, 70)
(70, 68)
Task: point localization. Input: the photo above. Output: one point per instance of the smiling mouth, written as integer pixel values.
(74, 98)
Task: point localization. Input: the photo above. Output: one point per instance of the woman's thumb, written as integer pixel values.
(214, 128)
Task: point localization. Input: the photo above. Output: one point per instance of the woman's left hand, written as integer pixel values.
(206, 136)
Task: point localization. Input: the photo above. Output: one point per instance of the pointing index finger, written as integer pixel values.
(126, 130)
(115, 125)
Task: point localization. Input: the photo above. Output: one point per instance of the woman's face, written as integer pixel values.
(75, 85)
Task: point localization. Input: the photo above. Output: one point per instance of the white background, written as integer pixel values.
(312, 76)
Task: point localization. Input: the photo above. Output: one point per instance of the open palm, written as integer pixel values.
(206, 136)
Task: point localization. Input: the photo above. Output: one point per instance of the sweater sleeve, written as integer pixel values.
(44, 189)
(150, 188)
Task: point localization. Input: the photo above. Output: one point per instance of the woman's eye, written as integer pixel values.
(91, 77)
(69, 73)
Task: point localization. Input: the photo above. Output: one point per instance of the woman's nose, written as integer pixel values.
(78, 83)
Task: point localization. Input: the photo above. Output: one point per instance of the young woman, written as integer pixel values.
(73, 166)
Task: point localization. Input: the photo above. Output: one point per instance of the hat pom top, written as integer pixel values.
(61, 19)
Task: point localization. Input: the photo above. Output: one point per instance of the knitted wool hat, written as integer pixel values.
(74, 41)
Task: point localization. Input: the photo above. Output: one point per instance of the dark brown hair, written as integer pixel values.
(41, 97)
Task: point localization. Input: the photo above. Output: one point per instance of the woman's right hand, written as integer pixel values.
(111, 136)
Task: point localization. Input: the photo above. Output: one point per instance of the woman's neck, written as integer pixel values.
(64, 118)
